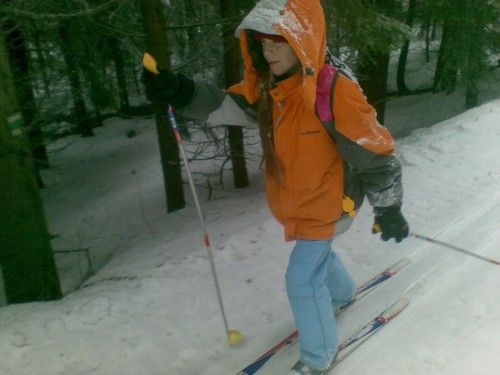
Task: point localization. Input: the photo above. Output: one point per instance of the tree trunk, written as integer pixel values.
(82, 119)
(403, 56)
(474, 23)
(433, 31)
(26, 256)
(471, 95)
(232, 75)
(373, 69)
(373, 66)
(445, 77)
(156, 45)
(94, 70)
(136, 72)
(20, 61)
(427, 40)
(42, 65)
(120, 74)
(93, 77)
(190, 11)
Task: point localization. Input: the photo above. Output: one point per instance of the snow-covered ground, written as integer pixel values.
(152, 309)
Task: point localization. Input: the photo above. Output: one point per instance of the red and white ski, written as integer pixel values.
(366, 288)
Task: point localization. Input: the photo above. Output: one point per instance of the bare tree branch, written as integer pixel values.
(57, 16)
(207, 23)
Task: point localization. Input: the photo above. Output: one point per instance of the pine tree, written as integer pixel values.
(20, 64)
(467, 38)
(403, 56)
(119, 63)
(156, 44)
(26, 256)
(229, 8)
(373, 29)
(82, 117)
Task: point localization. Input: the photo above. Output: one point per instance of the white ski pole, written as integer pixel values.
(234, 336)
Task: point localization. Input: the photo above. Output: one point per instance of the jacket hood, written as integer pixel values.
(302, 23)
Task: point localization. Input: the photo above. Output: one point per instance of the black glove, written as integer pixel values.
(390, 223)
(168, 88)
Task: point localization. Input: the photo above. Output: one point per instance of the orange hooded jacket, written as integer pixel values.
(309, 200)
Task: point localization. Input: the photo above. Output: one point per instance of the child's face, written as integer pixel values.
(280, 56)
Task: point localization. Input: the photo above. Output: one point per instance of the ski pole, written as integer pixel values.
(452, 247)
(376, 229)
(234, 336)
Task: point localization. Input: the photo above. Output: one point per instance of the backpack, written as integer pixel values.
(353, 190)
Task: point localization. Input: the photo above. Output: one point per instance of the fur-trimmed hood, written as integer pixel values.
(302, 23)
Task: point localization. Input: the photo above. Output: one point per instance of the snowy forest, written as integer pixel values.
(102, 266)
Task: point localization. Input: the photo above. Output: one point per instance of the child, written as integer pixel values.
(284, 48)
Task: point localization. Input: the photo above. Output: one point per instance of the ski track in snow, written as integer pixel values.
(453, 314)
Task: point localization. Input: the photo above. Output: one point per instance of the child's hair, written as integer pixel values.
(271, 162)
(273, 165)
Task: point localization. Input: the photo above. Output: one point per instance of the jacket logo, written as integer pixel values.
(311, 132)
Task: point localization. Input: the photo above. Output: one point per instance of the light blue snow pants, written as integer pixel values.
(317, 283)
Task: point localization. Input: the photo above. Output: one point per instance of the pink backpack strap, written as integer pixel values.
(324, 93)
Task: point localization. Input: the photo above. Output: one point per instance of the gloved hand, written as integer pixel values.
(168, 88)
(390, 223)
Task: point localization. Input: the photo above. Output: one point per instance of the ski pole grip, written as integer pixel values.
(150, 63)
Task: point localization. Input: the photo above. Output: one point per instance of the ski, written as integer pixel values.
(364, 333)
(362, 291)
